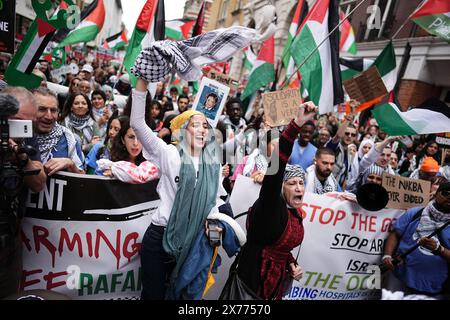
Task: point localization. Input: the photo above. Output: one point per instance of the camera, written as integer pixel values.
(213, 233)
(20, 128)
(13, 160)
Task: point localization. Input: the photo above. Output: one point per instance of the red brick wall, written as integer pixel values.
(414, 92)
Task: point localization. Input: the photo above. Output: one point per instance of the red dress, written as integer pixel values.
(276, 259)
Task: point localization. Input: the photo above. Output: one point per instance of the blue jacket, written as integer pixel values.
(420, 271)
(192, 277)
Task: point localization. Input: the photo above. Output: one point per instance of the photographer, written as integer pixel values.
(15, 103)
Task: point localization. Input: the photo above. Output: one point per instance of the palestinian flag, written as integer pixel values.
(178, 30)
(288, 61)
(198, 27)
(116, 42)
(87, 10)
(299, 15)
(249, 59)
(19, 71)
(347, 42)
(88, 29)
(351, 67)
(263, 71)
(150, 27)
(431, 117)
(320, 74)
(434, 17)
(385, 64)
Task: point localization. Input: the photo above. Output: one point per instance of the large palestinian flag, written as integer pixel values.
(88, 29)
(320, 74)
(150, 27)
(288, 62)
(430, 117)
(434, 17)
(263, 71)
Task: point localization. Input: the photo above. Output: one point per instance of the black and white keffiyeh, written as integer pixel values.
(84, 125)
(313, 184)
(255, 159)
(292, 171)
(155, 62)
(430, 220)
(47, 142)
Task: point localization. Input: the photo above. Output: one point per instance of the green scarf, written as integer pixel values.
(191, 205)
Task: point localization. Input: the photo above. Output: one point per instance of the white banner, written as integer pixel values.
(82, 237)
(341, 250)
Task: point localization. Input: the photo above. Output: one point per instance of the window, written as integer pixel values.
(224, 10)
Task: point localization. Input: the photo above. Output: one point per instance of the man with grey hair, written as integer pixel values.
(57, 144)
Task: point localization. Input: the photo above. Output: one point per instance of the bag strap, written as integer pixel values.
(209, 278)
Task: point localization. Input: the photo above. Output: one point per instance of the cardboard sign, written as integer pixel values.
(280, 107)
(405, 193)
(223, 78)
(7, 24)
(366, 86)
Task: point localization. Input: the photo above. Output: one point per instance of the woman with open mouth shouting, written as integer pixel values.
(275, 227)
(189, 189)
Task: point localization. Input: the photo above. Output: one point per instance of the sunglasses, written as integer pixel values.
(445, 193)
(350, 134)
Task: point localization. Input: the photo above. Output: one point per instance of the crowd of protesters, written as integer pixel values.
(84, 132)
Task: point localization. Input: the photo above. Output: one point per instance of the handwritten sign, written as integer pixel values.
(405, 193)
(223, 78)
(280, 107)
(366, 86)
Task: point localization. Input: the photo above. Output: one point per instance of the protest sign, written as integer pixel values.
(443, 140)
(245, 192)
(71, 68)
(223, 78)
(366, 86)
(405, 193)
(210, 99)
(82, 234)
(7, 17)
(280, 107)
(341, 250)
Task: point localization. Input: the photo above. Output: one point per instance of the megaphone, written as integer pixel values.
(372, 197)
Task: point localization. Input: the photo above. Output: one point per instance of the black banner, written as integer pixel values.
(90, 198)
(7, 25)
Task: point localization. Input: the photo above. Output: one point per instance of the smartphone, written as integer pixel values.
(20, 128)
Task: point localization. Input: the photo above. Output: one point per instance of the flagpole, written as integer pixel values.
(407, 20)
(325, 39)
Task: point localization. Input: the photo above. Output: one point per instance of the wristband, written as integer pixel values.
(386, 256)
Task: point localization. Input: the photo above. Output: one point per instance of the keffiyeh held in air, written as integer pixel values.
(161, 57)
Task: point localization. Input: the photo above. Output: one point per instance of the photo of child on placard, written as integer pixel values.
(211, 99)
